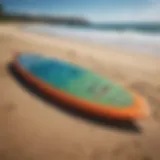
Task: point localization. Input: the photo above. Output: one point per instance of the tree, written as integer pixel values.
(1, 9)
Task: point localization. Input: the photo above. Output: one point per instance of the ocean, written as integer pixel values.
(135, 37)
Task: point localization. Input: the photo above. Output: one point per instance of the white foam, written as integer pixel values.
(144, 42)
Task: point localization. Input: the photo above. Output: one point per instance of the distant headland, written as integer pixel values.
(44, 19)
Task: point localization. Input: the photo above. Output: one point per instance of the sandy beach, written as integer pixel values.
(31, 129)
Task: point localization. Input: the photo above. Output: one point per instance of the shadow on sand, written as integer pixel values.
(123, 125)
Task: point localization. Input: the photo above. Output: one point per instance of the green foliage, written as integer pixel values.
(1, 9)
(28, 18)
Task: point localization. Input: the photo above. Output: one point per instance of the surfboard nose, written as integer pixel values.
(143, 110)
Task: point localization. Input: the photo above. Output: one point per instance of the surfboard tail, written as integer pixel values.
(16, 55)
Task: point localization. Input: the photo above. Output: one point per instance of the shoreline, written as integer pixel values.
(34, 129)
(138, 43)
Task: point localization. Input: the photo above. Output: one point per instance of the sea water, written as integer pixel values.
(136, 37)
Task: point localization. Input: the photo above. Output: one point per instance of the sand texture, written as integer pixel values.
(32, 129)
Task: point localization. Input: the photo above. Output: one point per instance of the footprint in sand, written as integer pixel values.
(99, 154)
(9, 107)
(129, 151)
(141, 87)
(3, 72)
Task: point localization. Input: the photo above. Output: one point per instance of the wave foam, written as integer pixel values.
(146, 42)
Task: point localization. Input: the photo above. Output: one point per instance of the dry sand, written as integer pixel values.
(31, 129)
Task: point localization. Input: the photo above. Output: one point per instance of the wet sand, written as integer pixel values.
(32, 129)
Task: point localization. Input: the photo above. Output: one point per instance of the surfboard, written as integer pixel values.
(80, 88)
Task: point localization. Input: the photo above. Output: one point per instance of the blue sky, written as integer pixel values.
(94, 10)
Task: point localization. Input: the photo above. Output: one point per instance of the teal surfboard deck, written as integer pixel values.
(76, 81)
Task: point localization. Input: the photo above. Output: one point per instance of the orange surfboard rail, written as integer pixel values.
(138, 110)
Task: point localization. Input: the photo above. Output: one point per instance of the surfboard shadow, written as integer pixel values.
(117, 124)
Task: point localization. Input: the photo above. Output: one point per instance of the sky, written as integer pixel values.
(93, 10)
